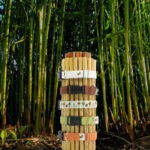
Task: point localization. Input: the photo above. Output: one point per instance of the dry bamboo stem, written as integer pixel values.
(93, 82)
(90, 98)
(63, 99)
(76, 98)
(67, 62)
(85, 97)
(71, 64)
(80, 62)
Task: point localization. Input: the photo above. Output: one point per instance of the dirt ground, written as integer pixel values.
(51, 142)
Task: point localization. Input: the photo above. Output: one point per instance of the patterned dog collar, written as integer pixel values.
(77, 136)
(91, 90)
(78, 120)
(79, 74)
(77, 104)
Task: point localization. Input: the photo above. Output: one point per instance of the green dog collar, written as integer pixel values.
(77, 120)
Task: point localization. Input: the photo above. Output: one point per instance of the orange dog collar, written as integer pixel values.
(77, 136)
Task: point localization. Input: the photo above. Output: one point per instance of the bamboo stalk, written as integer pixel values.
(93, 83)
(80, 63)
(63, 112)
(85, 97)
(101, 60)
(90, 97)
(40, 73)
(49, 102)
(127, 61)
(71, 67)
(31, 40)
(113, 63)
(35, 79)
(121, 96)
(5, 57)
(142, 61)
(67, 98)
(45, 41)
(76, 82)
(58, 57)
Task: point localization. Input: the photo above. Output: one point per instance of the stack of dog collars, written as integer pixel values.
(78, 104)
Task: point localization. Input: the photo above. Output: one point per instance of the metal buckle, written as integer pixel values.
(60, 135)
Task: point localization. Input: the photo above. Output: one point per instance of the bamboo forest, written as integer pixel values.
(39, 39)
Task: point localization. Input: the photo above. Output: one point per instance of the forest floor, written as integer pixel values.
(51, 142)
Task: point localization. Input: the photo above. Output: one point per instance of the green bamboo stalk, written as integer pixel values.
(45, 41)
(101, 59)
(12, 73)
(142, 59)
(133, 93)
(127, 61)
(51, 67)
(35, 76)
(120, 81)
(44, 54)
(146, 17)
(21, 78)
(31, 40)
(4, 69)
(58, 57)
(113, 63)
(133, 86)
(39, 94)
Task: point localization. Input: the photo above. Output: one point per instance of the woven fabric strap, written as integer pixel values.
(91, 90)
(77, 136)
(79, 74)
(77, 104)
(78, 120)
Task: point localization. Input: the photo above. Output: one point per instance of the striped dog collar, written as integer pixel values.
(77, 136)
(78, 120)
(77, 104)
(79, 74)
(91, 90)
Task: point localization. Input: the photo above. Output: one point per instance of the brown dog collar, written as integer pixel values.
(90, 90)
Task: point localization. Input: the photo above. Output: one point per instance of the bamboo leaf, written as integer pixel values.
(3, 136)
(107, 25)
(13, 134)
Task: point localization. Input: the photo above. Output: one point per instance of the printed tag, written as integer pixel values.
(82, 136)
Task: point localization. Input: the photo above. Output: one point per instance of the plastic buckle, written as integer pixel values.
(58, 105)
(59, 75)
(97, 91)
(60, 135)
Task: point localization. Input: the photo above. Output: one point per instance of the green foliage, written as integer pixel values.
(29, 143)
(3, 136)
(22, 129)
(13, 134)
